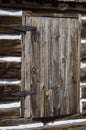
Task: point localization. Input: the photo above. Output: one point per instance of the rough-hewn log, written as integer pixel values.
(83, 51)
(19, 121)
(10, 65)
(8, 30)
(83, 91)
(10, 47)
(47, 6)
(83, 29)
(83, 75)
(84, 106)
(67, 126)
(10, 20)
(8, 89)
(6, 113)
(10, 98)
(10, 73)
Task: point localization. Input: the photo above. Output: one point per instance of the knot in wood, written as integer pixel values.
(47, 93)
(63, 60)
(33, 70)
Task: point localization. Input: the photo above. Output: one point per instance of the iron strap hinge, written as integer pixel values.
(21, 28)
(24, 28)
(23, 93)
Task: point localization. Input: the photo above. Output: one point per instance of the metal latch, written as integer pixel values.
(21, 28)
(23, 93)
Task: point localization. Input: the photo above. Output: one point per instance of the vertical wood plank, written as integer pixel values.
(35, 67)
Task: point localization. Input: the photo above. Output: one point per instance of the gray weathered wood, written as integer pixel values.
(10, 47)
(51, 66)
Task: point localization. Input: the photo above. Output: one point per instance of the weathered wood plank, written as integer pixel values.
(8, 20)
(35, 69)
(26, 59)
(83, 74)
(83, 51)
(6, 113)
(10, 47)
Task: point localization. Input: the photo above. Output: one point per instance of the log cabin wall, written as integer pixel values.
(10, 65)
(10, 70)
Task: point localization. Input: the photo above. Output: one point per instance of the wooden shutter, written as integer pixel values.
(51, 66)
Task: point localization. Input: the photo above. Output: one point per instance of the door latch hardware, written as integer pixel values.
(23, 93)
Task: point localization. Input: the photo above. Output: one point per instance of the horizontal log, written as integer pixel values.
(10, 47)
(8, 20)
(8, 89)
(19, 121)
(84, 106)
(6, 113)
(83, 91)
(10, 65)
(83, 29)
(10, 73)
(83, 51)
(10, 70)
(66, 126)
(83, 74)
(47, 6)
(8, 30)
(10, 98)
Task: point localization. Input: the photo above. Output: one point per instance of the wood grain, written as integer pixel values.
(6, 91)
(83, 91)
(8, 30)
(83, 75)
(83, 51)
(6, 113)
(51, 62)
(84, 106)
(48, 6)
(8, 20)
(10, 47)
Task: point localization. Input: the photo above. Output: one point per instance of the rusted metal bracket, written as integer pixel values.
(24, 93)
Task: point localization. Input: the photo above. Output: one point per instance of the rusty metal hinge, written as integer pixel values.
(23, 93)
(21, 28)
